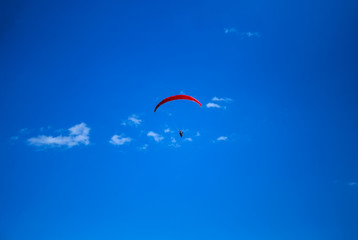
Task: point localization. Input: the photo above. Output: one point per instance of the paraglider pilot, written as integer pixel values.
(181, 133)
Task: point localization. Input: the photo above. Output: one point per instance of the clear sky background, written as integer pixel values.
(272, 154)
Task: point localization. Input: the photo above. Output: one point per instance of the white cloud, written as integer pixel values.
(119, 140)
(144, 147)
(234, 31)
(352, 184)
(79, 129)
(222, 138)
(79, 134)
(188, 139)
(156, 136)
(216, 105)
(197, 134)
(133, 120)
(221, 99)
(174, 143)
(167, 130)
(213, 105)
(230, 30)
(250, 34)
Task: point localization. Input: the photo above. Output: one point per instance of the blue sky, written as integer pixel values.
(272, 154)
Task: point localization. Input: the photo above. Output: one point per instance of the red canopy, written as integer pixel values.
(177, 97)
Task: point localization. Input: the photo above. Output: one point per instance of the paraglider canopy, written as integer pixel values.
(177, 97)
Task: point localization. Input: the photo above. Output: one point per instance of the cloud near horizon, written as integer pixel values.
(79, 134)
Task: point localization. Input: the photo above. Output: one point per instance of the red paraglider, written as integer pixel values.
(177, 97)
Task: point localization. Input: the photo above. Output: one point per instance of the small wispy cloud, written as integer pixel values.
(197, 134)
(174, 143)
(119, 140)
(157, 137)
(23, 130)
(213, 105)
(144, 147)
(242, 35)
(132, 120)
(167, 130)
(79, 134)
(14, 138)
(44, 128)
(250, 35)
(188, 139)
(230, 30)
(221, 99)
(222, 138)
(352, 184)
